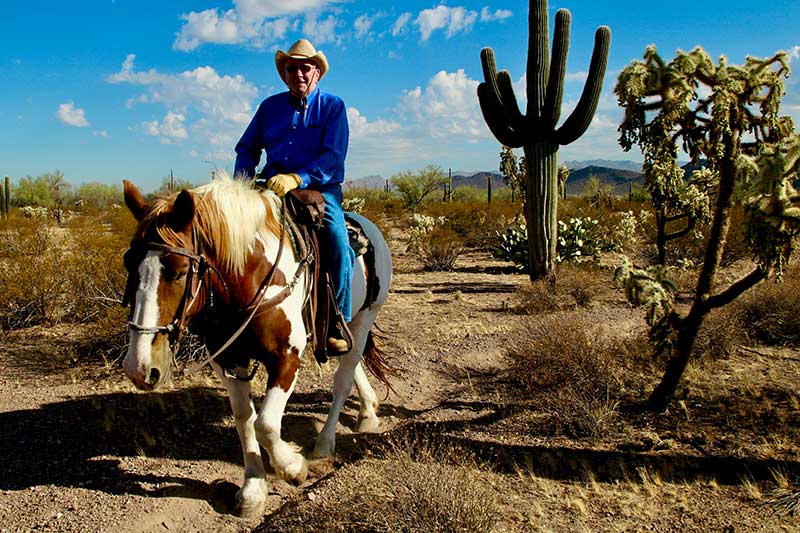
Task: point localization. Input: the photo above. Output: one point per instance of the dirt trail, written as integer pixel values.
(84, 451)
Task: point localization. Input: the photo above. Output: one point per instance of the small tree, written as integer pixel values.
(729, 116)
(414, 187)
(511, 171)
(563, 176)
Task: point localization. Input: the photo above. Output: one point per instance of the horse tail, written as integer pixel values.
(374, 359)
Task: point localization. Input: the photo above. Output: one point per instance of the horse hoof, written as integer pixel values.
(297, 473)
(323, 449)
(250, 509)
(368, 424)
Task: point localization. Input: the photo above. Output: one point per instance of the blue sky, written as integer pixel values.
(110, 89)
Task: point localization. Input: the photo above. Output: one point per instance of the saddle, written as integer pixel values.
(305, 209)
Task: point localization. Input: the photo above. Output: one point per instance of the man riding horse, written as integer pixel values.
(305, 135)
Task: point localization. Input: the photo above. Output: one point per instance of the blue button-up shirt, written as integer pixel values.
(307, 138)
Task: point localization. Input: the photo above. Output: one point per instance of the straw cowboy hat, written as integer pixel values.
(302, 49)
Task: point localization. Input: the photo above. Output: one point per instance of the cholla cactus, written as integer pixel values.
(538, 131)
(354, 205)
(713, 110)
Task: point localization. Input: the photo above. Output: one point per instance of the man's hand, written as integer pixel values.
(280, 184)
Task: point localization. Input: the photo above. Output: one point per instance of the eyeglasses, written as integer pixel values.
(304, 68)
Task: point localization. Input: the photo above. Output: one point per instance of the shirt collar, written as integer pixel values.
(297, 102)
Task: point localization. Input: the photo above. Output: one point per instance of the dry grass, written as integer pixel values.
(771, 310)
(580, 377)
(418, 486)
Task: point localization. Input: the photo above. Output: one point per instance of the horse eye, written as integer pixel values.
(172, 275)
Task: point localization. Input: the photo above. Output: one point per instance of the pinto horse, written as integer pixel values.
(219, 246)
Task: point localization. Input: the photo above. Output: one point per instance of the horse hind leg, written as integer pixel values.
(251, 498)
(349, 371)
(368, 402)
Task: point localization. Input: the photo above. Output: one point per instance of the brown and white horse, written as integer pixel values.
(217, 246)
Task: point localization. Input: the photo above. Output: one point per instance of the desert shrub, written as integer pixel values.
(578, 377)
(722, 331)
(576, 286)
(477, 223)
(582, 239)
(432, 242)
(770, 311)
(410, 490)
(354, 204)
(31, 275)
(512, 245)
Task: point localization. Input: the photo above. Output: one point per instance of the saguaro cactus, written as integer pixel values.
(537, 131)
(7, 198)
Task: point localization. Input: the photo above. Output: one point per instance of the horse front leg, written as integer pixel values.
(251, 498)
(284, 457)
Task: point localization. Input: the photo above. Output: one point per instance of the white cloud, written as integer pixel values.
(447, 106)
(324, 31)
(201, 105)
(451, 19)
(254, 22)
(72, 116)
(401, 23)
(500, 14)
(100, 133)
(794, 52)
(364, 23)
(361, 128)
(171, 130)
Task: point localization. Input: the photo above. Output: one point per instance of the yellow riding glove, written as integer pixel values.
(280, 184)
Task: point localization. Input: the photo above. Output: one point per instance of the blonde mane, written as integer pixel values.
(229, 215)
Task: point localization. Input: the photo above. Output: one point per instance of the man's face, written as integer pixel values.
(301, 76)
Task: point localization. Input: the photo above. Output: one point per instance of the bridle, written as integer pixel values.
(200, 268)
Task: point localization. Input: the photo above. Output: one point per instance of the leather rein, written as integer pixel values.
(201, 268)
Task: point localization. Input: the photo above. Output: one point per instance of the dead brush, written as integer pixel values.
(418, 485)
(769, 312)
(577, 376)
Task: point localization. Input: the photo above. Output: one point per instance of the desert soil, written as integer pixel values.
(83, 451)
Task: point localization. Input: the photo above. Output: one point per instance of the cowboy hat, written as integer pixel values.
(302, 49)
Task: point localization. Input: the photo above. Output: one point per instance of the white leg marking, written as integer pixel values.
(284, 457)
(252, 496)
(138, 359)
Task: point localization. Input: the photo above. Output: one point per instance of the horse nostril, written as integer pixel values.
(153, 377)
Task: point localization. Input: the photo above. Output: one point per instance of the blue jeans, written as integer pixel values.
(337, 255)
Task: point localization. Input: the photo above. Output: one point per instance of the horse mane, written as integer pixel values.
(229, 215)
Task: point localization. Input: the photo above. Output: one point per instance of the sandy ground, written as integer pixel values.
(84, 451)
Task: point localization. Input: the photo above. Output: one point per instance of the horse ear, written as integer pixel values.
(134, 200)
(182, 212)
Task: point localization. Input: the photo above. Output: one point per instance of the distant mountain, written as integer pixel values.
(367, 182)
(621, 180)
(607, 163)
(478, 180)
(617, 173)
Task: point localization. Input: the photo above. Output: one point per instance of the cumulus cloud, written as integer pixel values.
(794, 52)
(447, 106)
(170, 130)
(500, 14)
(451, 19)
(401, 23)
(201, 105)
(324, 31)
(253, 22)
(71, 115)
(364, 24)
